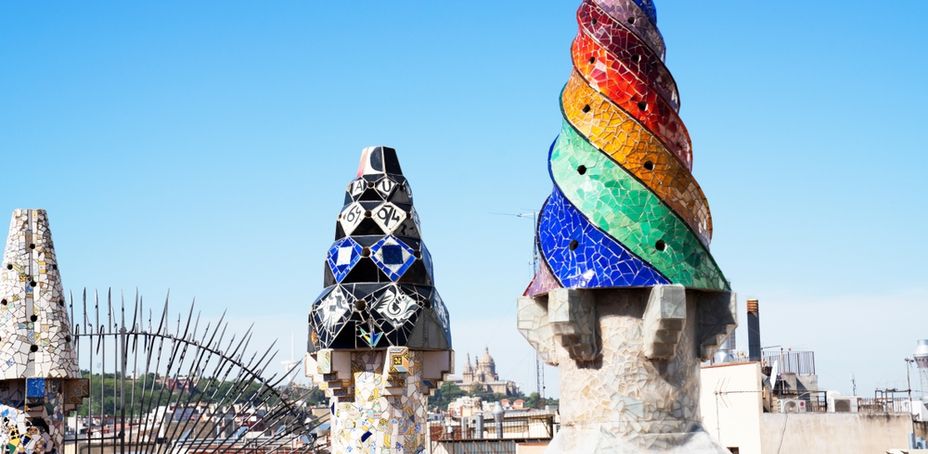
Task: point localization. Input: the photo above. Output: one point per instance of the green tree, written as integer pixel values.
(444, 395)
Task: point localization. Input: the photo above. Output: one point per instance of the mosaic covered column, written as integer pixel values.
(627, 299)
(39, 377)
(379, 333)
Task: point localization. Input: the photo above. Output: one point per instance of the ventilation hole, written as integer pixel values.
(33, 284)
(360, 305)
(592, 60)
(3, 302)
(631, 20)
(34, 348)
(660, 245)
(586, 108)
(636, 58)
(31, 245)
(61, 302)
(643, 105)
(55, 267)
(366, 252)
(648, 165)
(368, 214)
(67, 338)
(573, 245)
(370, 184)
(581, 169)
(34, 318)
(10, 266)
(594, 21)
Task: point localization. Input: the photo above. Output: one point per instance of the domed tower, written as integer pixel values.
(488, 366)
(626, 281)
(379, 333)
(39, 376)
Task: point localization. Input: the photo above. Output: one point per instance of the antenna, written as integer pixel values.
(539, 367)
(291, 363)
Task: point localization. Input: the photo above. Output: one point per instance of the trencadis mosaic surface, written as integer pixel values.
(626, 210)
(378, 274)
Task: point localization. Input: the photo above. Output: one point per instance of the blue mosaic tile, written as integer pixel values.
(343, 256)
(392, 256)
(582, 256)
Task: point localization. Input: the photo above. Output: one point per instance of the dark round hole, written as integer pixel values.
(33, 283)
(366, 252)
(67, 338)
(643, 105)
(370, 184)
(586, 108)
(581, 169)
(636, 58)
(660, 245)
(34, 348)
(61, 302)
(31, 245)
(9, 266)
(3, 302)
(573, 245)
(34, 318)
(55, 266)
(368, 214)
(360, 305)
(649, 165)
(594, 21)
(592, 60)
(631, 20)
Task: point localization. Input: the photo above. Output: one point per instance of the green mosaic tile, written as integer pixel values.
(628, 211)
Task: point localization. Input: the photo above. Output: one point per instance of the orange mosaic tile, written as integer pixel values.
(609, 76)
(627, 142)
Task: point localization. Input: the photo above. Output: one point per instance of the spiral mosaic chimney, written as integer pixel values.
(39, 376)
(379, 333)
(627, 298)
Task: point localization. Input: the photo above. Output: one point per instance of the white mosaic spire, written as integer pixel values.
(35, 334)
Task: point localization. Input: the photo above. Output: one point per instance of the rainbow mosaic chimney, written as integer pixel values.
(379, 333)
(39, 376)
(627, 299)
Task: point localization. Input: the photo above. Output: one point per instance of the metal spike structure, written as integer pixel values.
(120, 380)
(178, 385)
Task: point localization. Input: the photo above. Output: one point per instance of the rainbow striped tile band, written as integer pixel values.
(625, 210)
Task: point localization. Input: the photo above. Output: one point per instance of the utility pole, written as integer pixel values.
(908, 379)
(539, 367)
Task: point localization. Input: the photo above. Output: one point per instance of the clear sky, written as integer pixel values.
(204, 147)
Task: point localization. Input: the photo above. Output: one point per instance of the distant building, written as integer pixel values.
(482, 376)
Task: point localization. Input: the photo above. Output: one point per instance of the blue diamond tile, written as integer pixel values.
(392, 256)
(342, 257)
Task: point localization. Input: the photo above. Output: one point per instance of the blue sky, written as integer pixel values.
(204, 147)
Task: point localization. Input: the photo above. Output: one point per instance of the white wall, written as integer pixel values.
(731, 406)
(833, 433)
